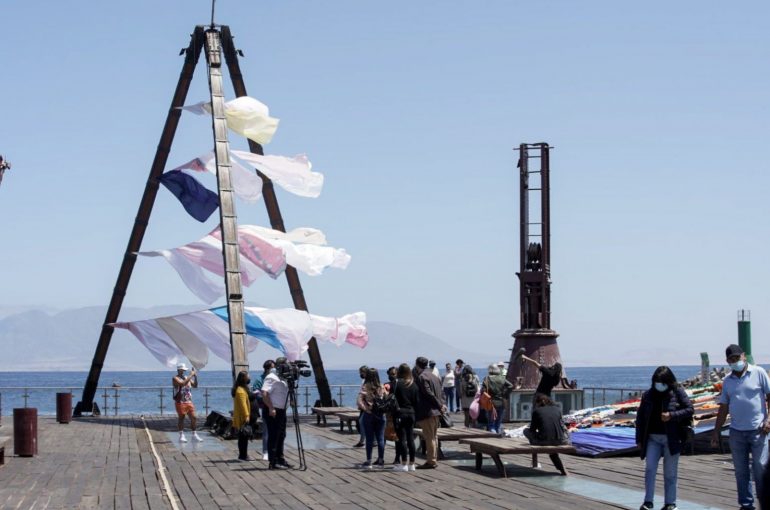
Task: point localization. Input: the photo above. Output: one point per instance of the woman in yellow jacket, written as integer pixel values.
(241, 413)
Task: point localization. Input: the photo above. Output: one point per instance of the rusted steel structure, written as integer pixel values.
(215, 41)
(535, 334)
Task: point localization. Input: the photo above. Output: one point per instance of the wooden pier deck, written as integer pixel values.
(109, 463)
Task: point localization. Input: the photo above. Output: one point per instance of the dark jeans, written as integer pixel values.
(276, 433)
(374, 428)
(405, 431)
(449, 398)
(243, 445)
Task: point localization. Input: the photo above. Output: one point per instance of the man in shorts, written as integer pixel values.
(183, 399)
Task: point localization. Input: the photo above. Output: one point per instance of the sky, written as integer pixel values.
(659, 114)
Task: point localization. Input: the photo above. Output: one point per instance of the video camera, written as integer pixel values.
(291, 371)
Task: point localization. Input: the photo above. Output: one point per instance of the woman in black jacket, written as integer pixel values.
(661, 430)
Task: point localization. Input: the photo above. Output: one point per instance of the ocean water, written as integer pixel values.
(139, 392)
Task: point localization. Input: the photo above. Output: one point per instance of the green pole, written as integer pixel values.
(744, 333)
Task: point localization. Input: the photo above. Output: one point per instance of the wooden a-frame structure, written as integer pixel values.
(215, 41)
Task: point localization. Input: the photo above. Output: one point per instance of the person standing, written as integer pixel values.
(362, 370)
(458, 370)
(374, 419)
(498, 388)
(432, 365)
(430, 408)
(467, 388)
(183, 400)
(267, 367)
(663, 412)
(275, 395)
(392, 418)
(746, 396)
(448, 385)
(408, 397)
(241, 413)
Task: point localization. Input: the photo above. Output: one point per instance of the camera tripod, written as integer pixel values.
(292, 401)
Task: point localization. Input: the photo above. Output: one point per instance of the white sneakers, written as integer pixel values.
(401, 467)
(411, 467)
(265, 456)
(196, 437)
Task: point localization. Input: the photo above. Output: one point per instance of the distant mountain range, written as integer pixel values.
(47, 339)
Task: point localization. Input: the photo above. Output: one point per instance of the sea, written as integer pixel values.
(149, 392)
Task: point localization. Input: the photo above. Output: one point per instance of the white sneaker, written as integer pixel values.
(402, 467)
(411, 467)
(196, 437)
(265, 456)
(182, 438)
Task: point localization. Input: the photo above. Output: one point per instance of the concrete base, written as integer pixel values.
(520, 402)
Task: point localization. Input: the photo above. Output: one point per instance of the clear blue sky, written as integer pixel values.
(659, 113)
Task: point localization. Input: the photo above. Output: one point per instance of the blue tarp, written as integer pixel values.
(602, 440)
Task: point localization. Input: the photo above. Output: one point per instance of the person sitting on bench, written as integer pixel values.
(547, 428)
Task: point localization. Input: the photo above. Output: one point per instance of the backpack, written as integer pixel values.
(469, 387)
(386, 404)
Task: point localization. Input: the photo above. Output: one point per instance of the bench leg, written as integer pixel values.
(342, 426)
(318, 419)
(324, 420)
(534, 460)
(440, 453)
(350, 427)
(499, 464)
(479, 460)
(557, 462)
(423, 446)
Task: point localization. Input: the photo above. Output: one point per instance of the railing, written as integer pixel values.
(608, 395)
(149, 399)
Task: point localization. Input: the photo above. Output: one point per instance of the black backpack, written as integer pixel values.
(469, 386)
(385, 404)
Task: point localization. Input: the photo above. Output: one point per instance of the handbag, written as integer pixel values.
(485, 402)
(474, 409)
(390, 430)
(445, 421)
(246, 431)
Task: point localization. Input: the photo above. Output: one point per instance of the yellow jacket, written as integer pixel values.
(241, 407)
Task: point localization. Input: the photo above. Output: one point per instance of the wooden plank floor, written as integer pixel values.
(109, 463)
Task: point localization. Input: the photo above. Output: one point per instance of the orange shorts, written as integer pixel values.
(185, 408)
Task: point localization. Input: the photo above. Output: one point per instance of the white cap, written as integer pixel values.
(181, 366)
(501, 363)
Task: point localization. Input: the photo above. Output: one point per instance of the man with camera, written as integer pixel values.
(275, 396)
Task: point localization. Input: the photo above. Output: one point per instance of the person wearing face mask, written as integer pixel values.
(746, 396)
(663, 411)
(242, 413)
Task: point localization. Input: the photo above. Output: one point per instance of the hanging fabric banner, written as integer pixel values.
(197, 200)
(194, 334)
(292, 174)
(262, 250)
(247, 185)
(246, 116)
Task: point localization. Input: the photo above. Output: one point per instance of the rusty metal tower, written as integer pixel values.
(535, 335)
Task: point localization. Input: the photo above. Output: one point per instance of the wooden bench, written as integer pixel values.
(453, 434)
(494, 447)
(348, 418)
(322, 412)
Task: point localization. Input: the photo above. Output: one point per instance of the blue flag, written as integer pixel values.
(197, 200)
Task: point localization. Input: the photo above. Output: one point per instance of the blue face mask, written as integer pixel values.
(738, 366)
(661, 386)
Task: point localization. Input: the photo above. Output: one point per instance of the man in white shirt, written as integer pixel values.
(275, 395)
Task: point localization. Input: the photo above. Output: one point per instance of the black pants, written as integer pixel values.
(276, 434)
(405, 431)
(243, 445)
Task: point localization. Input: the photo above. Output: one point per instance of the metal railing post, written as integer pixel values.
(340, 400)
(206, 401)
(307, 399)
(106, 396)
(26, 396)
(161, 400)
